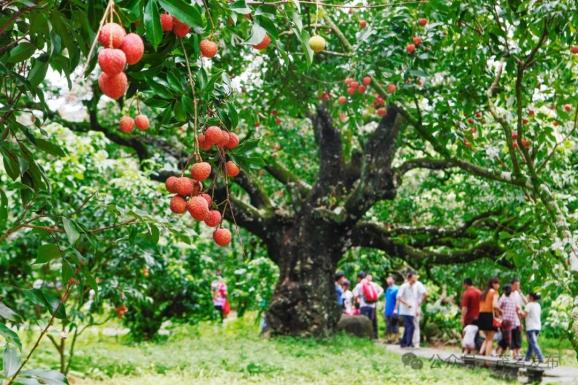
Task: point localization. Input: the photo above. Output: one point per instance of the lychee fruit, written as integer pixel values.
(233, 141)
(207, 197)
(167, 22)
(113, 86)
(184, 186)
(178, 205)
(362, 24)
(208, 48)
(391, 88)
(200, 171)
(366, 80)
(567, 107)
(342, 100)
(232, 169)
(213, 218)
(126, 124)
(417, 40)
(142, 122)
(224, 139)
(354, 84)
(410, 48)
(514, 135)
(222, 237)
(325, 96)
(526, 143)
(361, 89)
(111, 35)
(264, 43)
(351, 90)
(422, 21)
(111, 60)
(179, 28)
(381, 112)
(574, 49)
(171, 183)
(198, 208)
(133, 48)
(213, 135)
(203, 143)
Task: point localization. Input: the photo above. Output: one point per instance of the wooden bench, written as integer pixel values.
(509, 368)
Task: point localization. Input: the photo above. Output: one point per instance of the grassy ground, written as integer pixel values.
(234, 354)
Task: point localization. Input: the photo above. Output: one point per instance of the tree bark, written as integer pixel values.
(304, 302)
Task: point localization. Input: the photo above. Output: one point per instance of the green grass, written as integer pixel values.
(234, 354)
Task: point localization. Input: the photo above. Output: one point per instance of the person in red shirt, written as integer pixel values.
(470, 303)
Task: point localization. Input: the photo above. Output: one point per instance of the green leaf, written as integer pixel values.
(21, 52)
(38, 71)
(257, 34)
(67, 271)
(49, 377)
(152, 22)
(186, 13)
(49, 147)
(70, 230)
(240, 7)
(47, 253)
(10, 336)
(3, 209)
(7, 313)
(11, 361)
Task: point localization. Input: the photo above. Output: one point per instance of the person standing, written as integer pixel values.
(533, 326)
(470, 303)
(339, 278)
(367, 293)
(219, 293)
(510, 322)
(348, 307)
(407, 304)
(489, 306)
(420, 295)
(520, 300)
(391, 316)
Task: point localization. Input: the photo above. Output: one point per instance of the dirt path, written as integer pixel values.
(434, 356)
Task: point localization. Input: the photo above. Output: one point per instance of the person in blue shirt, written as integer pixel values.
(391, 317)
(339, 278)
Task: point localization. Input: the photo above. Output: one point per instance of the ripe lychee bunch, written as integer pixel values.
(208, 48)
(127, 123)
(119, 50)
(214, 136)
(264, 43)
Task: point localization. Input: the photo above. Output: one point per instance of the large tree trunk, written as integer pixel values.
(304, 302)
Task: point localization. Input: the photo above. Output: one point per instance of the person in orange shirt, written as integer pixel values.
(488, 308)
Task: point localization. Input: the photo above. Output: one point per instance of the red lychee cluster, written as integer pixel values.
(359, 87)
(214, 136)
(170, 23)
(127, 123)
(120, 49)
(121, 310)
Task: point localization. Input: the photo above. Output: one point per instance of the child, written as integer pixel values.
(347, 299)
(533, 326)
(469, 339)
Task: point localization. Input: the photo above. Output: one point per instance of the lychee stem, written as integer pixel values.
(192, 85)
(93, 46)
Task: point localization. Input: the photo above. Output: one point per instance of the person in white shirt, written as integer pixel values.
(407, 304)
(533, 315)
(421, 294)
(347, 299)
(469, 338)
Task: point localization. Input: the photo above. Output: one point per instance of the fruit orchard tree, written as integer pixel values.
(435, 132)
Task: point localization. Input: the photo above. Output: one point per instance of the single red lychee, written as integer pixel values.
(362, 24)
(224, 139)
(133, 48)
(203, 143)
(208, 48)
(410, 48)
(185, 186)
(213, 135)
(354, 84)
(514, 135)
(391, 88)
(213, 218)
(207, 197)
(422, 21)
(222, 237)
(198, 208)
(178, 205)
(142, 122)
(348, 81)
(574, 49)
(126, 124)
(526, 143)
(470, 121)
(325, 96)
(233, 141)
(179, 28)
(351, 90)
(167, 22)
(113, 86)
(381, 112)
(567, 107)
(361, 89)
(264, 43)
(342, 100)
(111, 35)
(171, 184)
(367, 80)
(200, 171)
(416, 40)
(111, 60)
(232, 169)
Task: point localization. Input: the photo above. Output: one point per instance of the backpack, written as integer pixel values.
(369, 292)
